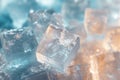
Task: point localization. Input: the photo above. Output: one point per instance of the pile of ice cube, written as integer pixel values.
(78, 41)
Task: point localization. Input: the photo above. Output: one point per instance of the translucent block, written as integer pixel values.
(58, 48)
(95, 21)
(37, 72)
(113, 38)
(18, 50)
(42, 19)
(18, 40)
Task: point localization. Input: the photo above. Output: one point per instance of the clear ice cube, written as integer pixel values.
(18, 40)
(18, 48)
(95, 21)
(42, 19)
(58, 48)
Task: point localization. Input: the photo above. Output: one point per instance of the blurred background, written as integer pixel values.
(18, 11)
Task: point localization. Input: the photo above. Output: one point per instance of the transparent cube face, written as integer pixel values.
(42, 19)
(18, 43)
(113, 38)
(58, 48)
(95, 21)
(18, 40)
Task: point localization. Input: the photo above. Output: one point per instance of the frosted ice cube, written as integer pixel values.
(42, 19)
(57, 48)
(18, 40)
(95, 21)
(18, 47)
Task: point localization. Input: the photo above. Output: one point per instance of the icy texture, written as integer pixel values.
(43, 75)
(99, 32)
(18, 47)
(42, 19)
(18, 40)
(95, 21)
(57, 48)
(36, 72)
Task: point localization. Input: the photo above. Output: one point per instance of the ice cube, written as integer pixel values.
(95, 21)
(18, 41)
(36, 72)
(18, 48)
(58, 48)
(42, 19)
